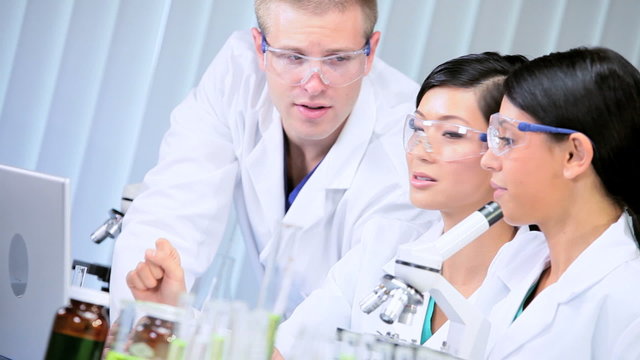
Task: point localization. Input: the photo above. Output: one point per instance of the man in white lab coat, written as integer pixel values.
(294, 127)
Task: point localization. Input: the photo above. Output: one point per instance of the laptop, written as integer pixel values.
(35, 263)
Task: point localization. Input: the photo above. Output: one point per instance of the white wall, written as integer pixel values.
(86, 86)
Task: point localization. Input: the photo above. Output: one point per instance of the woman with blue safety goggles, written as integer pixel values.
(562, 151)
(505, 133)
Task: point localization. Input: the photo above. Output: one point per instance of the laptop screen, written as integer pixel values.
(35, 257)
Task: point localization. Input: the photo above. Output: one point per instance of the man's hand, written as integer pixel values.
(160, 277)
(276, 355)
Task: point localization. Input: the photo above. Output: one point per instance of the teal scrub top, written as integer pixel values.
(526, 299)
(426, 327)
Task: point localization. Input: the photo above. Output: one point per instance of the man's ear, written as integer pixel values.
(374, 40)
(257, 44)
(579, 155)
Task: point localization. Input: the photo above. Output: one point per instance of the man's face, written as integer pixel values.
(313, 112)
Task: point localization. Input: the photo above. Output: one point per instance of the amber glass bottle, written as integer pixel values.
(80, 328)
(154, 332)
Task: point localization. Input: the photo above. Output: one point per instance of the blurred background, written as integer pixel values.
(86, 86)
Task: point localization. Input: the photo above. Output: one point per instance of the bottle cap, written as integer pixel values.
(89, 296)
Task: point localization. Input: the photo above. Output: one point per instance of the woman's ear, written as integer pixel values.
(579, 155)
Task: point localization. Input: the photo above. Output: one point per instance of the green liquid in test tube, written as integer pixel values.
(114, 355)
(272, 326)
(347, 357)
(217, 347)
(177, 349)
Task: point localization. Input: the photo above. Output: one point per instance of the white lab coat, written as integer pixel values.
(225, 150)
(591, 312)
(337, 302)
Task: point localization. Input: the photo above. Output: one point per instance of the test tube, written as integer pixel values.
(403, 352)
(382, 350)
(220, 339)
(312, 344)
(348, 345)
(185, 328)
(121, 328)
(278, 278)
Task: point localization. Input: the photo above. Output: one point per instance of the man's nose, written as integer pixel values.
(314, 82)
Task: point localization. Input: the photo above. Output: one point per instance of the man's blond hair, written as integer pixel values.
(319, 7)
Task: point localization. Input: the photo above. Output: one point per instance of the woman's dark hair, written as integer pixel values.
(487, 70)
(596, 92)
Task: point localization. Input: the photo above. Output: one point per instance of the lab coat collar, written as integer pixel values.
(432, 234)
(530, 245)
(613, 248)
(532, 249)
(344, 157)
(514, 283)
(265, 163)
(337, 170)
(333, 176)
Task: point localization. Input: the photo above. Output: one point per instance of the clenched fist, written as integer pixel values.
(160, 277)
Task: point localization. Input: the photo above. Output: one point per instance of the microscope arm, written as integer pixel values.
(418, 270)
(430, 256)
(420, 266)
(468, 329)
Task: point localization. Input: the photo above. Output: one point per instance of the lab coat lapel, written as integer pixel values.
(509, 286)
(613, 248)
(430, 235)
(610, 250)
(322, 192)
(536, 318)
(265, 165)
(483, 300)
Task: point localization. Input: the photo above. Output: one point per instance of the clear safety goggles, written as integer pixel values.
(505, 133)
(443, 139)
(334, 70)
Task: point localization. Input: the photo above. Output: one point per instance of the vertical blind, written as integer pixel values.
(86, 86)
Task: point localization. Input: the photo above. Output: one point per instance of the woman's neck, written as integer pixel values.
(467, 268)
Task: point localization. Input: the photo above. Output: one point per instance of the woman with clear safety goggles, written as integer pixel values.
(444, 140)
(562, 153)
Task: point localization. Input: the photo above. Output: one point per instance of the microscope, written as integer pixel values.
(418, 268)
(109, 229)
